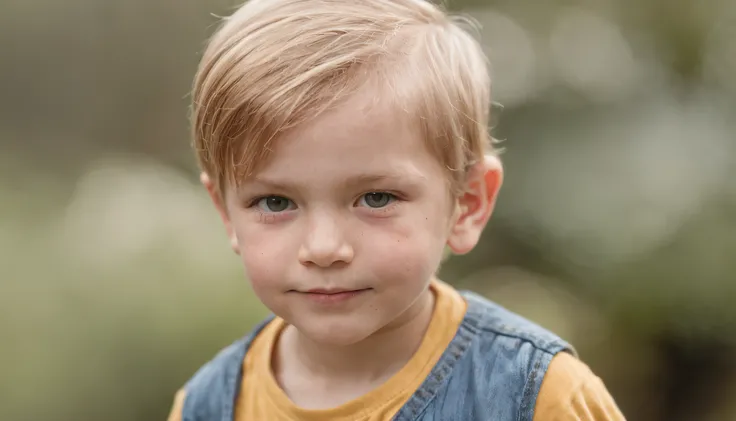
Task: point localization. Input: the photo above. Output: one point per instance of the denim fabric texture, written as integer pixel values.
(492, 370)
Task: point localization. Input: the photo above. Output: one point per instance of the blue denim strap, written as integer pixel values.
(464, 336)
(212, 391)
(484, 319)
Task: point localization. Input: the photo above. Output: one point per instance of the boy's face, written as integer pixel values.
(343, 229)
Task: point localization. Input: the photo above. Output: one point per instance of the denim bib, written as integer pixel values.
(492, 370)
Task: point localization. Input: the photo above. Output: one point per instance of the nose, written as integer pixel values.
(325, 243)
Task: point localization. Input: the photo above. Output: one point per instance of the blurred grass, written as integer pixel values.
(103, 324)
(616, 226)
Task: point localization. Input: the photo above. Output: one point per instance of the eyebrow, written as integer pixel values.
(363, 179)
(350, 182)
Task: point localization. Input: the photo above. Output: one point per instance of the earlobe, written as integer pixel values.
(475, 205)
(234, 244)
(218, 201)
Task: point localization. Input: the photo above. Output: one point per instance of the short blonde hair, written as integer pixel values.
(274, 64)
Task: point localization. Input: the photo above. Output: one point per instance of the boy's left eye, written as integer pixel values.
(274, 204)
(376, 199)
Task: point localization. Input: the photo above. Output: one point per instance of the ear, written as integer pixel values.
(218, 201)
(475, 205)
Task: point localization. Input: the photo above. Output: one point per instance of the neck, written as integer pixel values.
(375, 358)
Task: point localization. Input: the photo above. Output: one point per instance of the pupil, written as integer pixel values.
(376, 200)
(276, 204)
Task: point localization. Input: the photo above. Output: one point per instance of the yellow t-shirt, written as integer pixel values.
(569, 391)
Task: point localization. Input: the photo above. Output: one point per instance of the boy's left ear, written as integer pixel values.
(475, 205)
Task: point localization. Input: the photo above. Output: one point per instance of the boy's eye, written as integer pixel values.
(376, 199)
(274, 204)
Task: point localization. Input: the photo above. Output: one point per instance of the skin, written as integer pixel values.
(351, 201)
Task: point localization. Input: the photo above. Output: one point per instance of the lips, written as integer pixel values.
(325, 291)
(329, 296)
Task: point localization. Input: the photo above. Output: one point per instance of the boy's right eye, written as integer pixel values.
(272, 204)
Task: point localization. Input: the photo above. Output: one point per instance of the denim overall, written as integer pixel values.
(492, 370)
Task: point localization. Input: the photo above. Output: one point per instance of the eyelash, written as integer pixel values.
(395, 197)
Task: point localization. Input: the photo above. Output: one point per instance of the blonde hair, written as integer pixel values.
(274, 64)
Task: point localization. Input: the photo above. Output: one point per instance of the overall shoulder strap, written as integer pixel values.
(212, 391)
(488, 316)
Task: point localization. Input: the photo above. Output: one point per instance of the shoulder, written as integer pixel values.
(499, 359)
(217, 380)
(494, 321)
(533, 367)
(230, 356)
(571, 391)
(208, 389)
(176, 408)
(215, 368)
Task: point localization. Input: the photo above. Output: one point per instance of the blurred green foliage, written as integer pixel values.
(616, 226)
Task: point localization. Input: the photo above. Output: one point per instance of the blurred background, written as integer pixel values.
(616, 226)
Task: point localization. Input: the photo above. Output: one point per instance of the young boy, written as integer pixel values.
(345, 145)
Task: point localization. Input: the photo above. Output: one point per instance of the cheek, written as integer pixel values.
(262, 251)
(409, 248)
(260, 268)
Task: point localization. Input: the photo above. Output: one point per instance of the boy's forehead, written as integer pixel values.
(362, 113)
(358, 133)
(354, 162)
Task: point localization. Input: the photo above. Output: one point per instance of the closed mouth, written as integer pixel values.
(334, 291)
